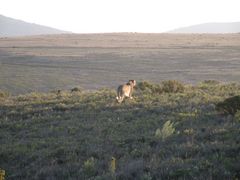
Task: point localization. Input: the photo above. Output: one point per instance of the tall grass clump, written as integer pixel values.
(89, 167)
(166, 131)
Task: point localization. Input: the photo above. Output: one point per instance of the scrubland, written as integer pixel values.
(170, 130)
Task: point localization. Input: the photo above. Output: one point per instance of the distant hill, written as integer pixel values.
(12, 27)
(210, 28)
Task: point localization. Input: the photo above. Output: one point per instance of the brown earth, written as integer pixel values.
(91, 61)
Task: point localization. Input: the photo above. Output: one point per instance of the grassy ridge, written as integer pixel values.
(168, 131)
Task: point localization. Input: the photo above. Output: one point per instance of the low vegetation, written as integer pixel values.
(229, 106)
(170, 86)
(4, 94)
(168, 131)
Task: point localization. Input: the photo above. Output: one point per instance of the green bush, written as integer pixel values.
(76, 89)
(229, 106)
(149, 87)
(172, 86)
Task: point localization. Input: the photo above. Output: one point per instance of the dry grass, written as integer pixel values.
(43, 63)
(162, 135)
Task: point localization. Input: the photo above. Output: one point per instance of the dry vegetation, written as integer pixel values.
(168, 131)
(44, 63)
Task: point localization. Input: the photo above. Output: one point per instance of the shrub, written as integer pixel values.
(237, 116)
(166, 131)
(149, 87)
(76, 89)
(229, 106)
(145, 85)
(211, 82)
(4, 94)
(172, 86)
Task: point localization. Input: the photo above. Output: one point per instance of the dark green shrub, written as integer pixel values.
(149, 87)
(237, 116)
(76, 89)
(229, 106)
(172, 86)
(144, 85)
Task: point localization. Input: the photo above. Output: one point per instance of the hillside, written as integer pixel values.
(210, 28)
(12, 27)
(168, 131)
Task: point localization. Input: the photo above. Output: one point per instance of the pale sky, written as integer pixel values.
(91, 16)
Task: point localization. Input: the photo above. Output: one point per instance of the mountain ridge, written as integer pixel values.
(10, 27)
(212, 27)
